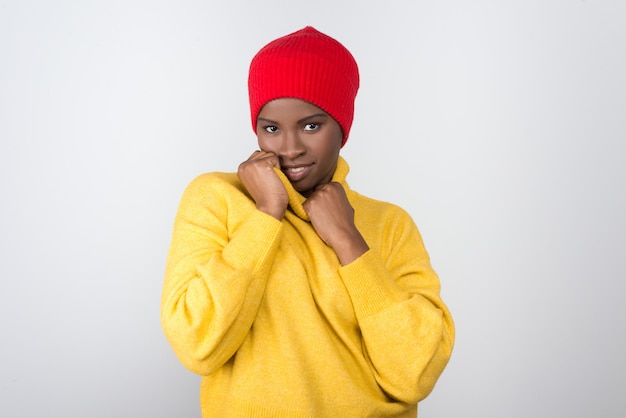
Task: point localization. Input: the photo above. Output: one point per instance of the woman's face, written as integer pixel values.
(306, 140)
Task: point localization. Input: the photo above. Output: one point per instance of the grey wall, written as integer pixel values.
(499, 125)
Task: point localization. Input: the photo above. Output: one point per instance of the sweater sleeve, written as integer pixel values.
(408, 332)
(215, 274)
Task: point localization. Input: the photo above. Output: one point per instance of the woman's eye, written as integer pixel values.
(270, 129)
(311, 126)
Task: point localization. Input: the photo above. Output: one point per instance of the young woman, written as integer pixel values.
(293, 295)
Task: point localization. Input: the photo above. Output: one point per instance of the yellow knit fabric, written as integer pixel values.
(278, 328)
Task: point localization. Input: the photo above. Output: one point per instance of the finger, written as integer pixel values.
(261, 155)
(255, 153)
(328, 187)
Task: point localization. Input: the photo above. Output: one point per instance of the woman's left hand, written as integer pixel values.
(332, 216)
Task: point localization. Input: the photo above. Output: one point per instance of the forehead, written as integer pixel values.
(286, 107)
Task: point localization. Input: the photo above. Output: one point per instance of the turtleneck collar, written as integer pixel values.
(296, 200)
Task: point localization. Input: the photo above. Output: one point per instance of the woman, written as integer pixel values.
(293, 295)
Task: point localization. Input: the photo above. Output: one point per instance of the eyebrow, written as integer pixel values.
(316, 115)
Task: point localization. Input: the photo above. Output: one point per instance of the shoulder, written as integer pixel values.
(214, 181)
(214, 198)
(378, 209)
(215, 186)
(385, 221)
(387, 226)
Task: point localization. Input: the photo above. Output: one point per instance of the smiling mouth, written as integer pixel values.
(294, 169)
(295, 174)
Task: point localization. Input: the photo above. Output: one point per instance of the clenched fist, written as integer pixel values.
(332, 216)
(258, 176)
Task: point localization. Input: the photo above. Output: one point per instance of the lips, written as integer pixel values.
(296, 173)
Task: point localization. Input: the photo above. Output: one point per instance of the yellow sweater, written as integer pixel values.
(278, 328)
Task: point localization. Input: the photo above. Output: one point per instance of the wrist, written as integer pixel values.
(275, 211)
(350, 248)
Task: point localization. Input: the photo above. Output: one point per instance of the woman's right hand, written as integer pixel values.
(258, 176)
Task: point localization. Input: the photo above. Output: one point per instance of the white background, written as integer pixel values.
(499, 125)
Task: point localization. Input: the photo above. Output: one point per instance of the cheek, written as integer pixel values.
(264, 144)
(333, 145)
(328, 151)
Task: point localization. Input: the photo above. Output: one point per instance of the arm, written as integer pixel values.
(332, 216)
(408, 333)
(215, 273)
(407, 330)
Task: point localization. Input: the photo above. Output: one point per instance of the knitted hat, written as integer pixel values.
(306, 65)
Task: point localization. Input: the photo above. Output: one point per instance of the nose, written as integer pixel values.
(291, 145)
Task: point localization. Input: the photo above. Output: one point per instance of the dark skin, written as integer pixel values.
(304, 142)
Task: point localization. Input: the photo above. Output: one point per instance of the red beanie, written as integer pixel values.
(306, 65)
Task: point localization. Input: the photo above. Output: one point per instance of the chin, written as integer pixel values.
(304, 191)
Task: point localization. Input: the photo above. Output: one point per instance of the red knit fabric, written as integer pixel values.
(306, 65)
